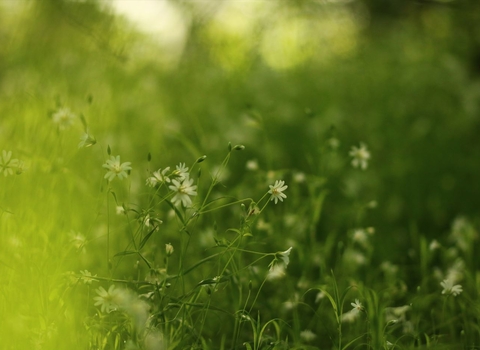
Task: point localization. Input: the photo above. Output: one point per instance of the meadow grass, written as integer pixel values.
(228, 207)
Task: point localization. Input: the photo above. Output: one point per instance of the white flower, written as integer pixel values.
(307, 335)
(183, 190)
(285, 256)
(86, 141)
(106, 300)
(276, 191)
(252, 165)
(120, 209)
(158, 176)
(350, 316)
(360, 156)
(7, 164)
(181, 171)
(450, 288)
(169, 249)
(87, 277)
(353, 314)
(276, 271)
(63, 118)
(116, 169)
(357, 305)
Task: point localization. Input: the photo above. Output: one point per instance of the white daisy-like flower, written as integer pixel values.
(106, 299)
(450, 288)
(181, 171)
(115, 168)
(183, 190)
(87, 277)
(357, 305)
(360, 156)
(158, 177)
(63, 118)
(7, 164)
(276, 191)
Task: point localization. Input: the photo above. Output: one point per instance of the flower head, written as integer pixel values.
(87, 277)
(7, 164)
(181, 171)
(158, 177)
(360, 156)
(276, 191)
(450, 288)
(106, 299)
(183, 190)
(169, 249)
(63, 118)
(116, 169)
(285, 256)
(357, 305)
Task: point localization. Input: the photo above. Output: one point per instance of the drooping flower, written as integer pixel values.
(307, 335)
(7, 164)
(158, 177)
(183, 190)
(276, 191)
(285, 256)
(115, 168)
(360, 156)
(450, 288)
(64, 118)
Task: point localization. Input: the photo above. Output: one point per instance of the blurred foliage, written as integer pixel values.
(400, 76)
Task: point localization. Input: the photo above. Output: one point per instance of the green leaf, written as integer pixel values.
(147, 237)
(126, 252)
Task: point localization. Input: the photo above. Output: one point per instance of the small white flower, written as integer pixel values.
(168, 249)
(450, 288)
(276, 191)
(183, 190)
(434, 245)
(120, 210)
(360, 156)
(307, 335)
(7, 164)
(158, 177)
(87, 277)
(276, 271)
(252, 165)
(106, 300)
(63, 118)
(285, 256)
(116, 169)
(357, 305)
(350, 316)
(181, 171)
(299, 177)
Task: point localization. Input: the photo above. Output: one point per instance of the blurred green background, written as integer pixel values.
(180, 79)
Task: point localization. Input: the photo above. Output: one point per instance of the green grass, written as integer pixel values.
(378, 241)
